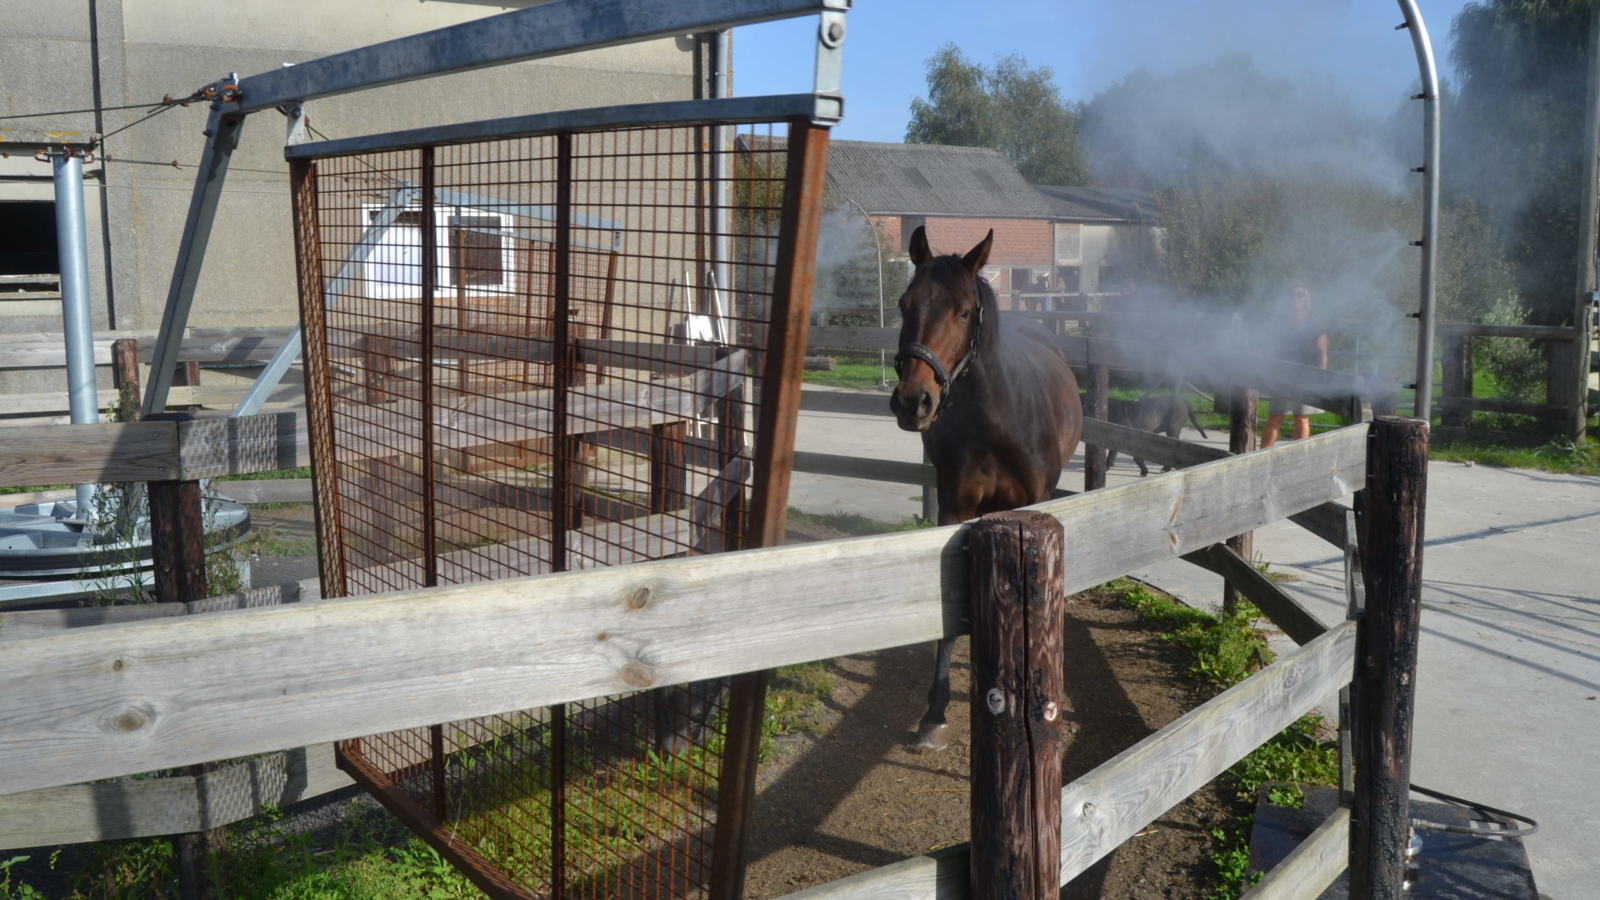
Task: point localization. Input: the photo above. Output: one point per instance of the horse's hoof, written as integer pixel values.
(934, 737)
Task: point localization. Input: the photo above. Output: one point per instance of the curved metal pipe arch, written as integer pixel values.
(1422, 405)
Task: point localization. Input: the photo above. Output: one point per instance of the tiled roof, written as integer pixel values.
(1087, 204)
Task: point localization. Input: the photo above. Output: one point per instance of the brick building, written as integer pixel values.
(1054, 247)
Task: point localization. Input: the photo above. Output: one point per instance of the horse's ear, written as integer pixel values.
(919, 247)
(977, 256)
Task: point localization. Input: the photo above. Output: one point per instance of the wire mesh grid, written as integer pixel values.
(533, 355)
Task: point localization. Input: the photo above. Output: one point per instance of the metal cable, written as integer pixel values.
(164, 102)
(1490, 829)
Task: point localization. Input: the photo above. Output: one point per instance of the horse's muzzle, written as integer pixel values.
(912, 407)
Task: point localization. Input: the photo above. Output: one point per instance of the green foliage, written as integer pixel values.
(1294, 757)
(1232, 859)
(18, 890)
(1012, 107)
(856, 375)
(1226, 648)
(1513, 136)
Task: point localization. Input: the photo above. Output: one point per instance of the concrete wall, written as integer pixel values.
(149, 48)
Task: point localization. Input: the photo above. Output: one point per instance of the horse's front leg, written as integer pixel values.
(958, 502)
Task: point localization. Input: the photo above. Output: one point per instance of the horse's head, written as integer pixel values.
(942, 312)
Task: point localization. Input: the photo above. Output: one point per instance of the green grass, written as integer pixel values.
(850, 374)
(1565, 456)
(1225, 650)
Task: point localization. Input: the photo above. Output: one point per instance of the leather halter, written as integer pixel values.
(942, 377)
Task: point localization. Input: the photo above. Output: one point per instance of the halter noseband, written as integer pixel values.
(942, 377)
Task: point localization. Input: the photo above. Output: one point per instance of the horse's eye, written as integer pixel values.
(966, 314)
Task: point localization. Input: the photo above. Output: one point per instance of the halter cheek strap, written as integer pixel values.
(942, 377)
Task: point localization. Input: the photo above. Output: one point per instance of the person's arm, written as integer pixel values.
(1322, 351)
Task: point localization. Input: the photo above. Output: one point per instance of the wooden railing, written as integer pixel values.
(1565, 350)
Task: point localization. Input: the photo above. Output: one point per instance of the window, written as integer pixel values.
(28, 239)
(1069, 242)
(468, 242)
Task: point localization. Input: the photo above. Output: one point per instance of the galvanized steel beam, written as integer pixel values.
(549, 29)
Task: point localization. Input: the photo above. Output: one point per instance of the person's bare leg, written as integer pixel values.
(1302, 428)
(1269, 434)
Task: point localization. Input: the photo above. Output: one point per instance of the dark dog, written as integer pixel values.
(1162, 415)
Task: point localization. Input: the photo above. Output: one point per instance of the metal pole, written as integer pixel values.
(877, 243)
(77, 318)
(222, 138)
(721, 160)
(1578, 421)
(1422, 405)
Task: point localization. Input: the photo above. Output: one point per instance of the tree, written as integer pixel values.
(1011, 108)
(1513, 136)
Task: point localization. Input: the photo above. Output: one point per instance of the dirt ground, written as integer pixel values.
(862, 795)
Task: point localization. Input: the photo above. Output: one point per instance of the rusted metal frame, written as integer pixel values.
(787, 324)
(558, 801)
(561, 361)
(430, 279)
(394, 798)
(319, 388)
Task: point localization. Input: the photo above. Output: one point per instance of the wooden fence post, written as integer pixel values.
(1016, 706)
(1243, 407)
(1391, 538)
(125, 373)
(178, 554)
(1096, 406)
(1455, 351)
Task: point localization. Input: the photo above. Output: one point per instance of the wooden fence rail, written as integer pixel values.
(132, 698)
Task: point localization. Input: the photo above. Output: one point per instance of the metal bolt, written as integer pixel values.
(833, 34)
(997, 701)
(1051, 710)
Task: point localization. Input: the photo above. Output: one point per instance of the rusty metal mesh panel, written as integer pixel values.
(542, 354)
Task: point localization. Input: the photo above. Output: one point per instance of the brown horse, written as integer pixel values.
(995, 401)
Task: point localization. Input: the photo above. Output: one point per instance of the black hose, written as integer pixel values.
(1487, 829)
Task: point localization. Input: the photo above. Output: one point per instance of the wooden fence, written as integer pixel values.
(1566, 350)
(119, 699)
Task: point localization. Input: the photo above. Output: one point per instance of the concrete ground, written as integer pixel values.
(1509, 674)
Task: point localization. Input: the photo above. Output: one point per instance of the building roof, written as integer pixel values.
(1087, 204)
(928, 180)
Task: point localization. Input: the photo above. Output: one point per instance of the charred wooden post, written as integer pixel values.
(125, 376)
(1016, 706)
(178, 552)
(1096, 406)
(1243, 408)
(1386, 655)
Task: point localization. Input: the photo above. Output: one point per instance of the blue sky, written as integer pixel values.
(1348, 44)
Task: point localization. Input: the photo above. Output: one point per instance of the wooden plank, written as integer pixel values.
(121, 810)
(1017, 699)
(1496, 405)
(246, 344)
(937, 876)
(265, 490)
(1309, 868)
(26, 624)
(850, 403)
(1148, 445)
(236, 683)
(1121, 796)
(1327, 522)
(181, 395)
(1530, 332)
(889, 470)
(833, 338)
(1285, 612)
(78, 454)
